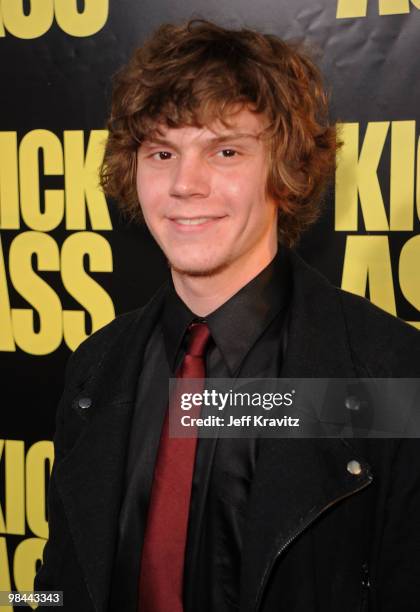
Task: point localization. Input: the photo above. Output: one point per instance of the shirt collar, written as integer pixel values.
(176, 319)
(238, 323)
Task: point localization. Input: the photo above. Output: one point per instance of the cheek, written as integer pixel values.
(251, 180)
(238, 189)
(140, 183)
(148, 193)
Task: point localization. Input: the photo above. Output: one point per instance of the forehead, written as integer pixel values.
(243, 124)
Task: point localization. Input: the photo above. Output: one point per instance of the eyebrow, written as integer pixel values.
(156, 140)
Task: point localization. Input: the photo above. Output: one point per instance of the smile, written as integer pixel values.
(194, 222)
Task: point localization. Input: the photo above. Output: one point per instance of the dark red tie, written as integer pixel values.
(162, 564)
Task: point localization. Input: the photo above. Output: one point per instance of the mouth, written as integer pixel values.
(191, 223)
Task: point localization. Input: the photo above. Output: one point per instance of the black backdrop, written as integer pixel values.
(68, 262)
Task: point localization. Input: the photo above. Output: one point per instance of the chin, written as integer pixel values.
(198, 268)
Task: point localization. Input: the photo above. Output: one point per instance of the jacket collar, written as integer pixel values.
(317, 338)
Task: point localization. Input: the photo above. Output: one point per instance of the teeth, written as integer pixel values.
(192, 221)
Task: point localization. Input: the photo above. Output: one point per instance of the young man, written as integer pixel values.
(219, 139)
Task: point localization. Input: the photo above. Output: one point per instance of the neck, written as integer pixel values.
(204, 294)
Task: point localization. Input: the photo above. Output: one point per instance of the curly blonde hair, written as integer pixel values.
(195, 73)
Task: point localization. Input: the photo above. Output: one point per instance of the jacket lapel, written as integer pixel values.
(296, 480)
(90, 478)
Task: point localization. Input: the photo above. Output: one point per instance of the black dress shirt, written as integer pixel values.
(246, 341)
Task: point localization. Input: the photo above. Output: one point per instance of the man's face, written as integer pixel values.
(203, 195)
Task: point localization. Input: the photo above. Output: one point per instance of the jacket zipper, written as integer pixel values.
(297, 534)
(365, 587)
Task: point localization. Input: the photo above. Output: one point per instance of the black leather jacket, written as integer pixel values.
(318, 536)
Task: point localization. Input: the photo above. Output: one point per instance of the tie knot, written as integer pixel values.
(199, 336)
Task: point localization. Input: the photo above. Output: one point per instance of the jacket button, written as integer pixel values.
(354, 467)
(85, 402)
(352, 403)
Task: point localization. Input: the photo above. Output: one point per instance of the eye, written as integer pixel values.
(227, 153)
(162, 155)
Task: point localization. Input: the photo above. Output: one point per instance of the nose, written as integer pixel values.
(190, 178)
